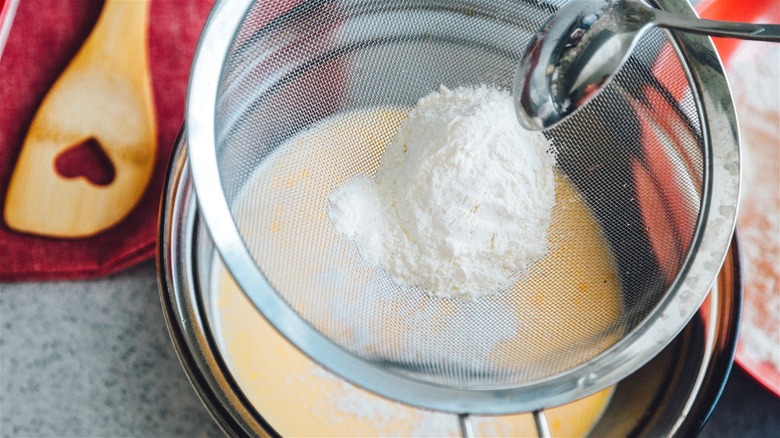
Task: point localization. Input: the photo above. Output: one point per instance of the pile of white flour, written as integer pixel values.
(461, 201)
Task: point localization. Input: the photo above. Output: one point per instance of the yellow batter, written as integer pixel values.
(299, 398)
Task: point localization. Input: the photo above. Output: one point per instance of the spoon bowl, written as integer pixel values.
(583, 45)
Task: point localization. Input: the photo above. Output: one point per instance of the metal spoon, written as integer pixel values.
(583, 45)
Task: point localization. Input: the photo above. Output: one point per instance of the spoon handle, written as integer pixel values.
(746, 31)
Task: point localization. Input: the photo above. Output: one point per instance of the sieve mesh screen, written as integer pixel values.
(310, 95)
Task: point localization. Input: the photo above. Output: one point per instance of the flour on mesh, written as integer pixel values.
(462, 199)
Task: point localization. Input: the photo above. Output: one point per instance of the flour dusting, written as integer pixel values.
(755, 68)
(461, 201)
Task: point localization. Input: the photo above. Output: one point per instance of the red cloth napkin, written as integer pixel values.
(44, 37)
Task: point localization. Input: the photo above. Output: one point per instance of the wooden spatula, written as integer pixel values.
(101, 106)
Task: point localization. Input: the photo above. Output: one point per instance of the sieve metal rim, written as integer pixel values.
(670, 316)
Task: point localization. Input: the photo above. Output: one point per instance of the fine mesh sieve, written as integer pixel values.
(654, 158)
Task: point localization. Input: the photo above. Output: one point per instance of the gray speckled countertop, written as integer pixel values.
(93, 358)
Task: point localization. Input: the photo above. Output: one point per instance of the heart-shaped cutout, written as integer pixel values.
(86, 159)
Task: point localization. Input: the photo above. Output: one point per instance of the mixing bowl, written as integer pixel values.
(672, 395)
